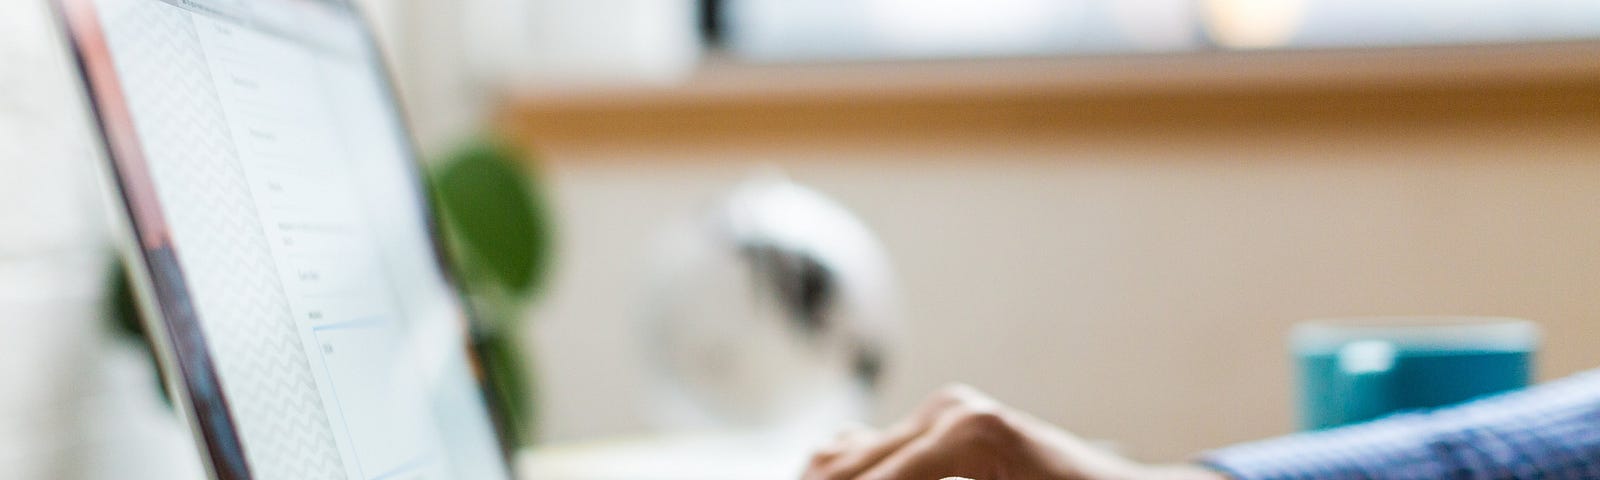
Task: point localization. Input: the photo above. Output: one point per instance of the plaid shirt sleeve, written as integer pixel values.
(1547, 432)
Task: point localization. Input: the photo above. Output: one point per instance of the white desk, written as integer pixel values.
(686, 457)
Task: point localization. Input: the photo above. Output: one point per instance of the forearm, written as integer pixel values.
(1551, 431)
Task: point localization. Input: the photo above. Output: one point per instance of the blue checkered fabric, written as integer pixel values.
(1547, 432)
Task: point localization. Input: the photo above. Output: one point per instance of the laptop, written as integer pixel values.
(281, 241)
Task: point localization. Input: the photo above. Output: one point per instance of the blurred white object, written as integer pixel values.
(778, 30)
(582, 41)
(76, 404)
(47, 203)
(1249, 24)
(122, 429)
(787, 30)
(73, 403)
(1358, 23)
(47, 264)
(774, 311)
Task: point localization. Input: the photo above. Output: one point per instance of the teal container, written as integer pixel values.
(1354, 370)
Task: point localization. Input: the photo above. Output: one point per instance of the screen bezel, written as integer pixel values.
(166, 305)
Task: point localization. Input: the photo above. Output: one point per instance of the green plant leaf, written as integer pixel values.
(119, 304)
(495, 220)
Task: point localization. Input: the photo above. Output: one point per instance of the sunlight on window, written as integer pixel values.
(957, 25)
(1254, 23)
(787, 30)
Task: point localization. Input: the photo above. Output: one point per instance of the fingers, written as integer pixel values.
(962, 432)
(851, 436)
(851, 461)
(966, 440)
(916, 456)
(845, 459)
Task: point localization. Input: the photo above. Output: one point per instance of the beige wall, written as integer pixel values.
(1132, 282)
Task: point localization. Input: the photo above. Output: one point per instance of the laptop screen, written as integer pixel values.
(285, 236)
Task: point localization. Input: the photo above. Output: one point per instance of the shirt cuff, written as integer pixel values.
(1400, 448)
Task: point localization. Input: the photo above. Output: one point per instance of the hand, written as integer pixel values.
(960, 432)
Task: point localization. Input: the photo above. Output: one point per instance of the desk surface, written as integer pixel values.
(686, 457)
